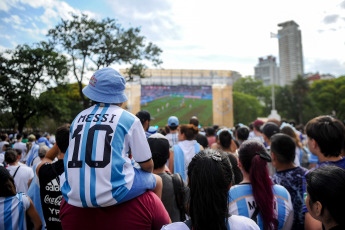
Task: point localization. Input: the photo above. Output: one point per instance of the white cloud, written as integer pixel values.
(13, 19)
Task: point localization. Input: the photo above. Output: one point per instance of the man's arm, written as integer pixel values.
(147, 166)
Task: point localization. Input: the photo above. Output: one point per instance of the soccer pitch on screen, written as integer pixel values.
(180, 101)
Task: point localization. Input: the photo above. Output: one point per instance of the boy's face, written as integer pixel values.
(311, 145)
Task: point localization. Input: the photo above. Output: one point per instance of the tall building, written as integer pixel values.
(290, 52)
(267, 71)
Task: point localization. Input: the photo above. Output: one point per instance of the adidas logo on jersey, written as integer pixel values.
(53, 186)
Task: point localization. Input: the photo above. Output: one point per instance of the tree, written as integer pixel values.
(92, 45)
(300, 89)
(329, 96)
(22, 72)
(246, 108)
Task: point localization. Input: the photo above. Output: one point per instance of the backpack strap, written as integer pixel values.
(16, 171)
(179, 194)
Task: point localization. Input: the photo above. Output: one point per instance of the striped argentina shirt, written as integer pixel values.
(98, 170)
(12, 211)
(241, 202)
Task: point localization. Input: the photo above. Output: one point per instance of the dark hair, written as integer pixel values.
(242, 133)
(210, 177)
(250, 157)
(327, 185)
(7, 186)
(202, 140)
(284, 147)
(19, 136)
(19, 152)
(62, 137)
(238, 176)
(225, 138)
(328, 133)
(160, 151)
(210, 131)
(289, 131)
(194, 121)
(11, 156)
(3, 136)
(190, 131)
(172, 128)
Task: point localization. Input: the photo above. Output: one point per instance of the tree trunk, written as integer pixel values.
(21, 124)
(85, 102)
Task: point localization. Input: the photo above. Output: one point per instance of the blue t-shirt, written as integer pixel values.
(292, 180)
(339, 163)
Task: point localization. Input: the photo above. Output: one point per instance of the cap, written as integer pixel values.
(143, 116)
(152, 129)
(173, 121)
(107, 86)
(159, 144)
(258, 123)
(269, 129)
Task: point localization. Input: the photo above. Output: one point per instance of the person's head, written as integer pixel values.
(19, 137)
(19, 154)
(290, 132)
(11, 156)
(62, 137)
(238, 177)
(210, 131)
(194, 121)
(257, 125)
(325, 194)
(283, 148)
(173, 123)
(224, 138)
(253, 159)
(31, 138)
(275, 121)
(242, 133)
(188, 132)
(209, 179)
(144, 118)
(269, 129)
(42, 151)
(7, 187)
(325, 134)
(159, 146)
(107, 86)
(4, 137)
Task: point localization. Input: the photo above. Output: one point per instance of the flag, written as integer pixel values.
(273, 35)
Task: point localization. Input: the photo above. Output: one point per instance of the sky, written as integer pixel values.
(197, 34)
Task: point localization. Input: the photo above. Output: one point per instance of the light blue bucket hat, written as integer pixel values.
(106, 86)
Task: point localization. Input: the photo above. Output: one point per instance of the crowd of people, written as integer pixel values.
(109, 170)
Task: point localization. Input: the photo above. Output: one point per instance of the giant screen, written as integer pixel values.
(180, 101)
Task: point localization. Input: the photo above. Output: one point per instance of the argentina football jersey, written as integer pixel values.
(98, 170)
(241, 202)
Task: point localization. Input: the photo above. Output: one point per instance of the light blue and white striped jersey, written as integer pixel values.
(32, 154)
(241, 202)
(98, 170)
(12, 212)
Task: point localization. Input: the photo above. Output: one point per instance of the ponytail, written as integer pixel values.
(254, 158)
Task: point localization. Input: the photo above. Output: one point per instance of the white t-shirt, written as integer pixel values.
(2, 143)
(21, 179)
(21, 146)
(98, 169)
(17, 206)
(234, 223)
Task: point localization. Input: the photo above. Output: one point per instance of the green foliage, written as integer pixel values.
(96, 44)
(246, 108)
(22, 71)
(329, 96)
